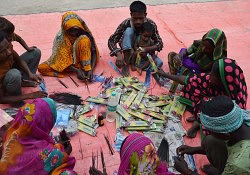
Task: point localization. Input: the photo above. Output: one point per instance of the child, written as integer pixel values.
(140, 59)
(9, 28)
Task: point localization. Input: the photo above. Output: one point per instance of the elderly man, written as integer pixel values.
(12, 69)
(225, 121)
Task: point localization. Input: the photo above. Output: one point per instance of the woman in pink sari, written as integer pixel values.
(28, 148)
(139, 156)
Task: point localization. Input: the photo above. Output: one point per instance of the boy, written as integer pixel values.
(11, 77)
(139, 58)
(31, 57)
(126, 32)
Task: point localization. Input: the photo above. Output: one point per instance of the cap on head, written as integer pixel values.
(218, 106)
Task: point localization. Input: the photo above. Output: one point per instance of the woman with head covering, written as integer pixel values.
(225, 120)
(226, 78)
(74, 49)
(200, 56)
(28, 147)
(139, 156)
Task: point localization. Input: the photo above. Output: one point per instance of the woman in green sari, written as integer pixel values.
(200, 56)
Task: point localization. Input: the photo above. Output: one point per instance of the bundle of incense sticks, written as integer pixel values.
(97, 100)
(152, 63)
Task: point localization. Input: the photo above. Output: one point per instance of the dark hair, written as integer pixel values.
(6, 26)
(147, 27)
(215, 69)
(211, 42)
(2, 36)
(138, 6)
(218, 106)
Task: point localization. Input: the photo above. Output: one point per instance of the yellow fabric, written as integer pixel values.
(67, 50)
(83, 51)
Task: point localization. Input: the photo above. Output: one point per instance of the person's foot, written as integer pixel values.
(191, 119)
(125, 71)
(191, 133)
(28, 83)
(210, 170)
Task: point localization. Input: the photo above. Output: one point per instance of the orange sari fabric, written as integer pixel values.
(69, 51)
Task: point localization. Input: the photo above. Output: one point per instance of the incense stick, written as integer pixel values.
(77, 85)
(62, 83)
(110, 147)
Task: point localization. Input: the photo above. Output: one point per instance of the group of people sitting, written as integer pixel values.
(214, 89)
(29, 148)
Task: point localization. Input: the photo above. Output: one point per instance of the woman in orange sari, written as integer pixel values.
(74, 49)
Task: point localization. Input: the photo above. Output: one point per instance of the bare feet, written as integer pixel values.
(28, 83)
(191, 119)
(210, 170)
(191, 133)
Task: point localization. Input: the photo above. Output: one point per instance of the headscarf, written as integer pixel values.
(63, 54)
(219, 39)
(139, 156)
(198, 86)
(28, 147)
(233, 80)
(229, 122)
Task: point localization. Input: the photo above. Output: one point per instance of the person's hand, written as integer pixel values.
(184, 149)
(37, 94)
(29, 49)
(119, 60)
(90, 75)
(142, 49)
(80, 74)
(181, 165)
(37, 78)
(177, 61)
(161, 71)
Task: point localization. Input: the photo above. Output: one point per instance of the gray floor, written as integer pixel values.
(18, 7)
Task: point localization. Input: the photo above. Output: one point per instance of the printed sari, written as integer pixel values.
(69, 51)
(28, 148)
(139, 156)
(199, 86)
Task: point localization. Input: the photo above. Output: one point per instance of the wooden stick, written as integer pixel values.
(110, 147)
(77, 85)
(62, 83)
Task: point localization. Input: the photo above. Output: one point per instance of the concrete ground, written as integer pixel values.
(19, 7)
